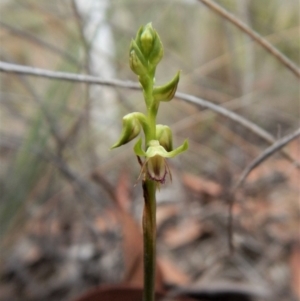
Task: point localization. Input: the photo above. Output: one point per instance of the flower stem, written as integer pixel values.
(149, 231)
(151, 111)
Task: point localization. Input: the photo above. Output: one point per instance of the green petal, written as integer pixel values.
(157, 51)
(146, 40)
(138, 148)
(164, 136)
(167, 91)
(131, 128)
(155, 149)
(137, 61)
(157, 169)
(180, 149)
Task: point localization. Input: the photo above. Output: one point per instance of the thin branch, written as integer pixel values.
(80, 25)
(25, 70)
(79, 182)
(235, 117)
(86, 45)
(72, 77)
(98, 178)
(256, 162)
(225, 58)
(265, 155)
(30, 37)
(254, 35)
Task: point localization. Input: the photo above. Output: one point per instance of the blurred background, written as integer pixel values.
(62, 188)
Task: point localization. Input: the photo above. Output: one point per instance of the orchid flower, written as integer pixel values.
(145, 53)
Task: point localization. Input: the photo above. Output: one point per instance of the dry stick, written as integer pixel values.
(86, 116)
(25, 70)
(235, 117)
(32, 38)
(225, 58)
(70, 174)
(254, 35)
(79, 183)
(255, 163)
(73, 77)
(80, 25)
(265, 155)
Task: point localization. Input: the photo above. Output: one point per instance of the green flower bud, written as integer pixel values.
(131, 128)
(138, 36)
(146, 39)
(167, 91)
(157, 52)
(135, 64)
(164, 136)
(137, 61)
(149, 43)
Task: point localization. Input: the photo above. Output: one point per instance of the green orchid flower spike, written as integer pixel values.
(145, 52)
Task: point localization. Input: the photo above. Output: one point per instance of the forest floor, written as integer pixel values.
(63, 250)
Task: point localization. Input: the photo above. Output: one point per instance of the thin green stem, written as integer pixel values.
(149, 216)
(149, 231)
(151, 111)
(152, 126)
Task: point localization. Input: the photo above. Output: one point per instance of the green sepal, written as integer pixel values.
(138, 148)
(167, 91)
(155, 149)
(157, 52)
(137, 61)
(164, 136)
(146, 39)
(138, 36)
(131, 128)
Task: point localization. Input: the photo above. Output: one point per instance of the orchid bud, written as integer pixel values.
(137, 61)
(131, 128)
(164, 136)
(146, 39)
(157, 51)
(167, 91)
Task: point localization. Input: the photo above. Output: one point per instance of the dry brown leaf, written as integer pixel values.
(106, 221)
(200, 185)
(133, 252)
(171, 273)
(133, 249)
(123, 190)
(164, 213)
(294, 149)
(291, 172)
(183, 234)
(132, 237)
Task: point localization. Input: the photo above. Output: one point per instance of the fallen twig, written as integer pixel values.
(256, 162)
(26, 70)
(254, 35)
